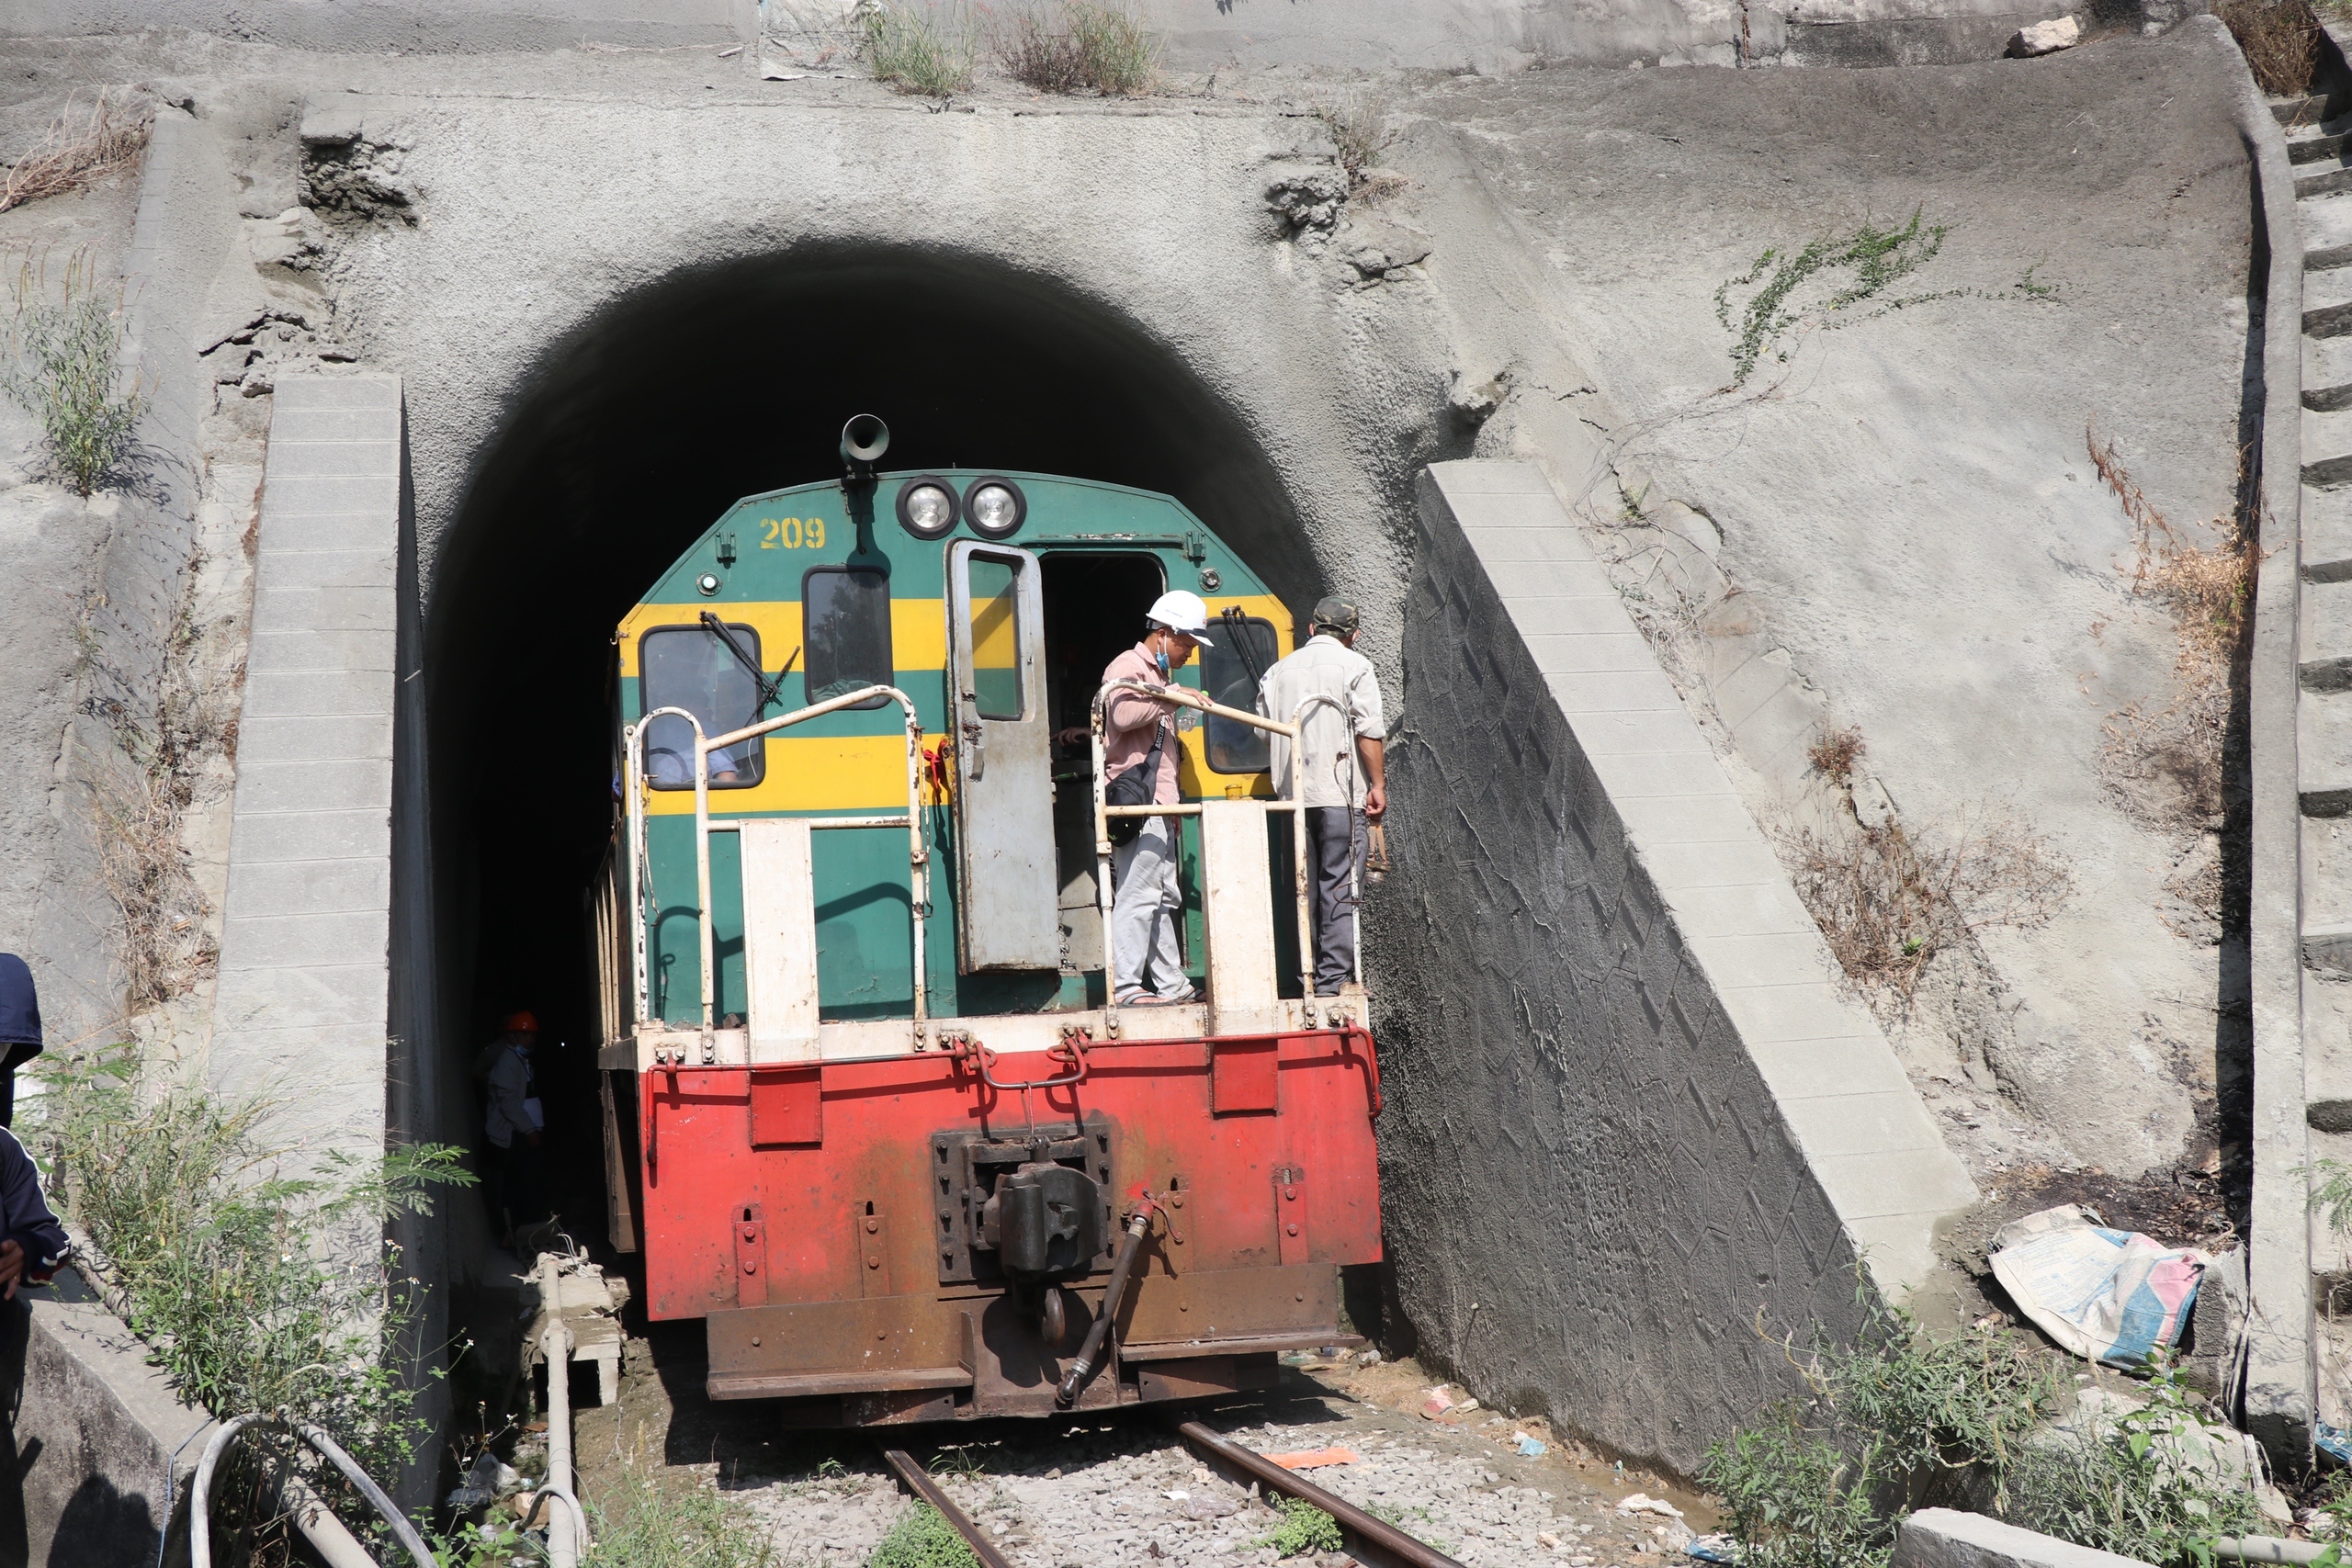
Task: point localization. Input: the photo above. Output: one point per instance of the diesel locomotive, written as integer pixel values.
(871, 1110)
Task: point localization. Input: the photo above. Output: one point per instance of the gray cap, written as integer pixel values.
(1333, 613)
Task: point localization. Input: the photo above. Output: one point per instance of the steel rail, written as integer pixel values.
(1374, 1539)
(920, 1483)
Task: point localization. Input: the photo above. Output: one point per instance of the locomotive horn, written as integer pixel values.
(864, 439)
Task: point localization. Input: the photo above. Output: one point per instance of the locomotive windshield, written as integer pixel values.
(691, 667)
(1229, 673)
(847, 611)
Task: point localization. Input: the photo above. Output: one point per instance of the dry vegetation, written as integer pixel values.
(76, 150)
(2279, 39)
(1360, 130)
(1079, 46)
(139, 801)
(1888, 899)
(2184, 746)
(1834, 756)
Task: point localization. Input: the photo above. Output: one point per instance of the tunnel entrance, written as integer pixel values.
(625, 443)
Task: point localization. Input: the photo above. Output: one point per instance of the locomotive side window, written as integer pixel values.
(845, 615)
(690, 667)
(996, 636)
(1235, 747)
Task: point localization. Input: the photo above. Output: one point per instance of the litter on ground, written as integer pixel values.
(1315, 1459)
(2112, 1296)
(1643, 1503)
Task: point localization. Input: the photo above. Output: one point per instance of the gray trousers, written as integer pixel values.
(1334, 838)
(1147, 914)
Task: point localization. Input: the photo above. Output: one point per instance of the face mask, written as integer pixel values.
(1163, 664)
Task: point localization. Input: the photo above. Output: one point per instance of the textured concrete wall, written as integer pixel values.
(100, 1452)
(1630, 1105)
(1200, 35)
(2280, 1396)
(302, 1008)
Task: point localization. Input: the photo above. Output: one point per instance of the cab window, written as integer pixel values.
(1226, 675)
(692, 668)
(846, 636)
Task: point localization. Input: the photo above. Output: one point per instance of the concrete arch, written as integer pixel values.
(638, 427)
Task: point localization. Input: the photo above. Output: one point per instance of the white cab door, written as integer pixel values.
(1004, 784)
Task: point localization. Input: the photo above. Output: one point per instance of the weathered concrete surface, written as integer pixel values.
(301, 1014)
(100, 1452)
(1200, 35)
(2281, 1392)
(1944, 1538)
(1920, 545)
(1630, 1104)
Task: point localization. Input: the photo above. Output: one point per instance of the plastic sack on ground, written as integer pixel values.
(2112, 1296)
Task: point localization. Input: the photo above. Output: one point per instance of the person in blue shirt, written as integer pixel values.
(32, 1242)
(19, 1029)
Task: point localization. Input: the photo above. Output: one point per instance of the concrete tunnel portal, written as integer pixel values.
(626, 441)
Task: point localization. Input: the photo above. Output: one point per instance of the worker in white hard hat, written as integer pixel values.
(1146, 905)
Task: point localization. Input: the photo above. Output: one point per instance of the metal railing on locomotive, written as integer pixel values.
(1103, 811)
(918, 857)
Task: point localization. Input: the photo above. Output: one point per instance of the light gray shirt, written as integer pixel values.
(1326, 667)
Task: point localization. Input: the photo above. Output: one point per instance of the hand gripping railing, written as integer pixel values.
(918, 857)
(1185, 696)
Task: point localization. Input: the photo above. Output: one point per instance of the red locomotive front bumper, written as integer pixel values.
(825, 1217)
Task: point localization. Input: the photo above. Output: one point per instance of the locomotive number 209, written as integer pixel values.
(792, 533)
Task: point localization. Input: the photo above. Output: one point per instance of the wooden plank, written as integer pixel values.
(1238, 917)
(780, 939)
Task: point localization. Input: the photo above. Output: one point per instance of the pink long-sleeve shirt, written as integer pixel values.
(1129, 720)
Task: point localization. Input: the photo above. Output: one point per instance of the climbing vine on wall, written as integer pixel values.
(1818, 286)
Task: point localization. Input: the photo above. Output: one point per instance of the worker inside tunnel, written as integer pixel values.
(624, 446)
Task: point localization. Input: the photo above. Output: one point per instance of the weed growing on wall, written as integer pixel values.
(1079, 46)
(918, 49)
(229, 1267)
(1889, 899)
(64, 371)
(2280, 41)
(76, 150)
(1909, 1421)
(923, 1538)
(1360, 130)
(2209, 592)
(1826, 284)
(1837, 753)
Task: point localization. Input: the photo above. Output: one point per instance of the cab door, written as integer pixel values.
(1006, 917)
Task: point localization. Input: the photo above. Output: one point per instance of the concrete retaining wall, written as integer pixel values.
(100, 1452)
(1631, 1106)
(305, 968)
(2280, 1395)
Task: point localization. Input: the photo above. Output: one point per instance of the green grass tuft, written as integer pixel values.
(918, 49)
(66, 373)
(1305, 1528)
(923, 1538)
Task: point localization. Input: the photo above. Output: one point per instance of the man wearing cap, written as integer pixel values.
(1148, 905)
(1338, 774)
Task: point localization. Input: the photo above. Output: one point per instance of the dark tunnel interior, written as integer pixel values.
(632, 438)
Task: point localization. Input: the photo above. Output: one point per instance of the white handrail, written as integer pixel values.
(1103, 809)
(918, 858)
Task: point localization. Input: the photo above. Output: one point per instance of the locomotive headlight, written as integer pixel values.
(927, 507)
(996, 507)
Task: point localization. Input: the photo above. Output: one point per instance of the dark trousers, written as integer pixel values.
(1334, 838)
(510, 1184)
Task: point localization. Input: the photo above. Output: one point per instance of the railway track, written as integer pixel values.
(1371, 1539)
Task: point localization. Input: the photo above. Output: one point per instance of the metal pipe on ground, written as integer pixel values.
(920, 1483)
(1375, 1540)
(565, 1538)
(2269, 1549)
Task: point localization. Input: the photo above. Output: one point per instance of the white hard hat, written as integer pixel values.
(1182, 611)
